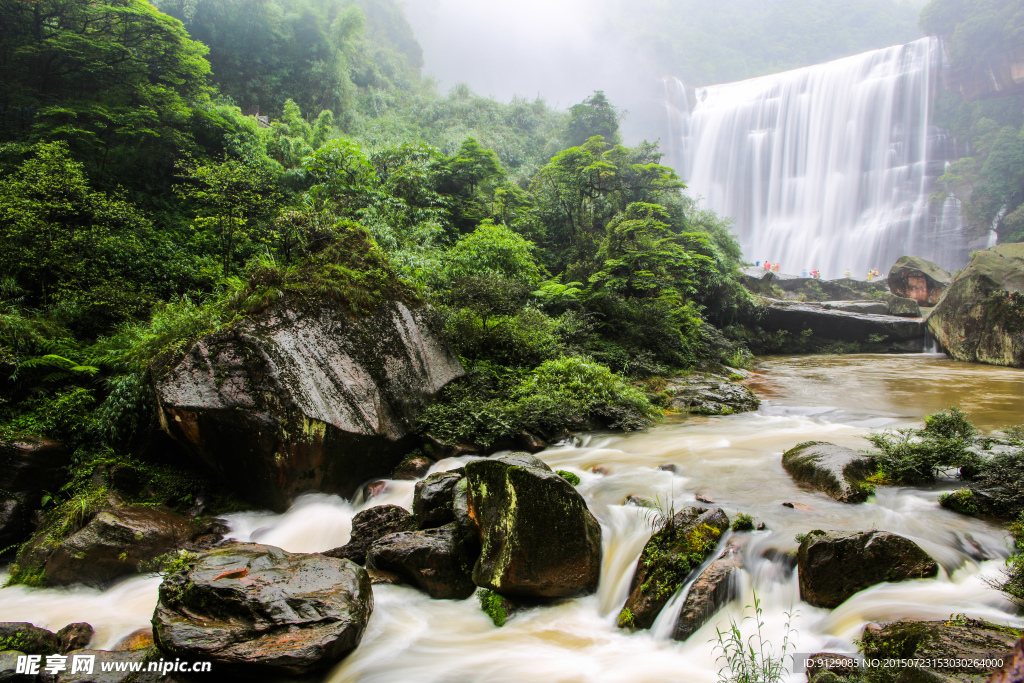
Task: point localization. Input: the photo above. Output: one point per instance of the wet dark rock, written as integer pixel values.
(370, 525)
(868, 307)
(260, 610)
(432, 500)
(434, 560)
(903, 306)
(27, 638)
(914, 278)
(641, 501)
(413, 467)
(667, 561)
(704, 499)
(830, 325)
(1012, 670)
(530, 443)
(374, 489)
(713, 589)
(707, 394)
(981, 316)
(938, 642)
(75, 636)
(996, 489)
(30, 466)
(380, 577)
(837, 471)
(669, 467)
(537, 536)
(832, 566)
(140, 639)
(114, 543)
(302, 398)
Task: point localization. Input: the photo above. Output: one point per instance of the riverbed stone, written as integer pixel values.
(837, 471)
(413, 467)
(668, 559)
(708, 394)
(537, 536)
(25, 637)
(711, 591)
(432, 499)
(305, 397)
(434, 560)
(935, 642)
(75, 636)
(981, 317)
(902, 306)
(833, 565)
(115, 543)
(258, 610)
(370, 525)
(914, 278)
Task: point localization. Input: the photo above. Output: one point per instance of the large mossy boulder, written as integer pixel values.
(667, 561)
(833, 566)
(537, 537)
(113, 543)
(302, 398)
(370, 525)
(28, 639)
(902, 306)
(708, 394)
(30, 466)
(435, 560)
(837, 471)
(260, 611)
(914, 278)
(711, 591)
(948, 651)
(829, 325)
(981, 318)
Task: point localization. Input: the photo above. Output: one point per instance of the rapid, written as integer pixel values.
(735, 461)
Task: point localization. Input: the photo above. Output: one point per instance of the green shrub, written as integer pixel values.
(569, 477)
(743, 522)
(909, 456)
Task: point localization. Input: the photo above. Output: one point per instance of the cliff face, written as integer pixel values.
(997, 77)
(298, 399)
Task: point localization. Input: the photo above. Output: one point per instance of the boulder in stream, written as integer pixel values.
(981, 317)
(834, 565)
(670, 556)
(903, 306)
(537, 536)
(941, 651)
(870, 331)
(305, 398)
(28, 639)
(914, 278)
(435, 560)
(708, 394)
(258, 610)
(75, 636)
(432, 499)
(370, 525)
(837, 471)
(710, 591)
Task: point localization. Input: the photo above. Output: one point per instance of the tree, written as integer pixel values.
(593, 116)
(235, 200)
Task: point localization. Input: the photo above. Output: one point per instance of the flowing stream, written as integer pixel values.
(830, 166)
(734, 460)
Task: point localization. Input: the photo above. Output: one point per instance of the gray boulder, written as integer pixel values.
(75, 636)
(897, 333)
(432, 499)
(981, 317)
(668, 559)
(903, 306)
(257, 610)
(712, 590)
(869, 307)
(371, 525)
(435, 560)
(537, 536)
(914, 278)
(300, 399)
(26, 638)
(837, 471)
(708, 394)
(832, 566)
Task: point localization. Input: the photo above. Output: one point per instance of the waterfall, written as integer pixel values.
(829, 166)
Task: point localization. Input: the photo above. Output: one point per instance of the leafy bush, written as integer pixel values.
(918, 455)
(743, 522)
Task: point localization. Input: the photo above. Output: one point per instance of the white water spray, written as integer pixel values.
(830, 166)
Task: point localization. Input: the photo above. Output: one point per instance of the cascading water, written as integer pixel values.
(829, 166)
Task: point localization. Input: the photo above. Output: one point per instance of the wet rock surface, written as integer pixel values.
(837, 471)
(538, 538)
(432, 500)
(75, 636)
(27, 638)
(30, 466)
(958, 641)
(707, 394)
(711, 591)
(914, 278)
(832, 566)
(371, 525)
(435, 560)
(890, 332)
(668, 559)
(258, 610)
(299, 399)
(981, 316)
(903, 307)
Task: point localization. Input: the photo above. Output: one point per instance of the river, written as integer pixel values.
(734, 460)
